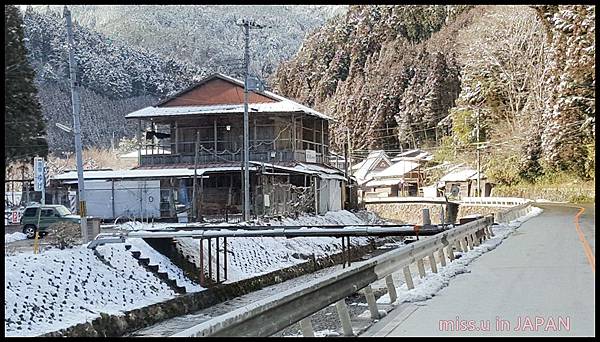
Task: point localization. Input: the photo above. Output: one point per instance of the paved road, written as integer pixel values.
(540, 273)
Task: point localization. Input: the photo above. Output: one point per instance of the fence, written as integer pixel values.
(272, 314)
(495, 201)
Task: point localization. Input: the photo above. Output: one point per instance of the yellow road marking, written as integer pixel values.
(586, 246)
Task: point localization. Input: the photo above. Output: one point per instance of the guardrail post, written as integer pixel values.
(451, 250)
(442, 257)
(306, 327)
(475, 239)
(463, 245)
(491, 231)
(469, 244)
(432, 263)
(344, 316)
(408, 278)
(389, 282)
(421, 268)
(371, 302)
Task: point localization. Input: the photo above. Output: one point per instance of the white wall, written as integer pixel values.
(330, 195)
(139, 199)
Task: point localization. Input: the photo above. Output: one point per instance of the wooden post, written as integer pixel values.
(139, 141)
(316, 196)
(408, 278)
(432, 262)
(294, 135)
(176, 149)
(306, 327)
(194, 204)
(421, 268)
(344, 317)
(371, 302)
(215, 135)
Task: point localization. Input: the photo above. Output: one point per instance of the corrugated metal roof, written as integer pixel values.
(143, 173)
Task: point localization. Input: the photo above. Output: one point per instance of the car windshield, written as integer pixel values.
(62, 210)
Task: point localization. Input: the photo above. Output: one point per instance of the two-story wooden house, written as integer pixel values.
(201, 128)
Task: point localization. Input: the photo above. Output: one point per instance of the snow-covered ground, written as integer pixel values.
(8, 238)
(164, 264)
(60, 288)
(432, 283)
(252, 256)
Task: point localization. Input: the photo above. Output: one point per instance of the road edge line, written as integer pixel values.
(586, 247)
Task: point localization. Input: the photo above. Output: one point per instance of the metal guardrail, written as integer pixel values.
(494, 201)
(413, 199)
(270, 315)
(513, 213)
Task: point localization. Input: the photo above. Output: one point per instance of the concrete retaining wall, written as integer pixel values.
(413, 212)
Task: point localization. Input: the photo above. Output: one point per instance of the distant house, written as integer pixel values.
(376, 161)
(462, 182)
(402, 178)
(201, 128)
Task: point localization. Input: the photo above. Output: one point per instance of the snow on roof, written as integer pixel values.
(321, 171)
(383, 182)
(143, 173)
(460, 175)
(398, 169)
(414, 155)
(283, 105)
(373, 159)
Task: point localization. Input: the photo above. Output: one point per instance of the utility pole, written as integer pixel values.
(478, 159)
(247, 24)
(349, 163)
(76, 126)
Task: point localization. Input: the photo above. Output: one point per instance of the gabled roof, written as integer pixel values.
(365, 168)
(414, 155)
(397, 170)
(461, 174)
(276, 104)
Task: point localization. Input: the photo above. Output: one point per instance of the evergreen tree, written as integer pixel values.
(24, 129)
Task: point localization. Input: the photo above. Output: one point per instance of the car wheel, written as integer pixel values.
(29, 230)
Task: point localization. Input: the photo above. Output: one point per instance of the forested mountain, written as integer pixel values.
(404, 76)
(375, 72)
(207, 35)
(129, 56)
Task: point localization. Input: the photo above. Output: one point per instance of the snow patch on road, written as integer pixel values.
(8, 238)
(432, 283)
